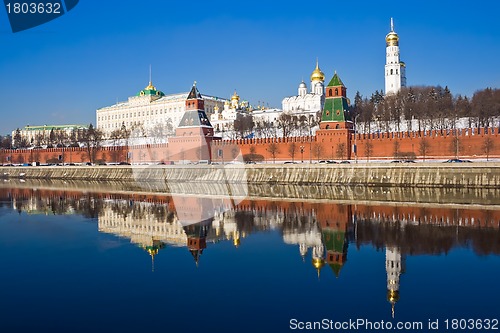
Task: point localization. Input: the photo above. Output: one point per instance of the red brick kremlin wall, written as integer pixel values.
(440, 145)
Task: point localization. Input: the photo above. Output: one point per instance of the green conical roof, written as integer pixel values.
(336, 269)
(335, 81)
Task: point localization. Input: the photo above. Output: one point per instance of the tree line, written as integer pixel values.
(425, 108)
(285, 125)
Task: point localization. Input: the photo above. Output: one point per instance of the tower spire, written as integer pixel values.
(150, 76)
(392, 24)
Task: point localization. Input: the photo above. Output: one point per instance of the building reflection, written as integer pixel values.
(395, 265)
(321, 230)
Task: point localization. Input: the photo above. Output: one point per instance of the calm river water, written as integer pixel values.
(83, 261)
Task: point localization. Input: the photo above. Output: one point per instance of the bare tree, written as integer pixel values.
(455, 145)
(115, 136)
(273, 150)
(424, 147)
(243, 125)
(39, 139)
(235, 150)
(125, 133)
(157, 132)
(92, 140)
(266, 129)
(286, 123)
(488, 145)
(396, 147)
(75, 137)
(6, 142)
(317, 150)
(341, 150)
(252, 153)
(292, 150)
(51, 139)
(368, 150)
(18, 139)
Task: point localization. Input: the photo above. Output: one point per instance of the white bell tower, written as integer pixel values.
(395, 70)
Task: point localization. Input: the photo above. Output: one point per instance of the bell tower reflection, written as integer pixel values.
(318, 260)
(395, 265)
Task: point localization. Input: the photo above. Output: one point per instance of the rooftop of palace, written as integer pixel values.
(54, 127)
(166, 98)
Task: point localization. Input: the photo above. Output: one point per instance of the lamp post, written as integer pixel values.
(356, 138)
(11, 147)
(302, 153)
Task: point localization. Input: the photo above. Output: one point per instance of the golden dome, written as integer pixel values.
(235, 96)
(318, 263)
(150, 86)
(236, 242)
(393, 296)
(317, 74)
(392, 39)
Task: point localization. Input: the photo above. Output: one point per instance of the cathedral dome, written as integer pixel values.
(317, 74)
(392, 296)
(392, 39)
(318, 263)
(302, 85)
(235, 96)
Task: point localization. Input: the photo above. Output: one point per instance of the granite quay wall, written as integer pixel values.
(463, 175)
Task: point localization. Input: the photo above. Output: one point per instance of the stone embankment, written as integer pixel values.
(452, 175)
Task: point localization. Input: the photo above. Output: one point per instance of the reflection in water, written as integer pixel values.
(323, 230)
(395, 264)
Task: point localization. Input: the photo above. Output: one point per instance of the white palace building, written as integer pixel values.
(149, 108)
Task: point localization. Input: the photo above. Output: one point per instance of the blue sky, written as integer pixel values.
(62, 71)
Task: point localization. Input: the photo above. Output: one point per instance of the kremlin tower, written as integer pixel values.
(194, 134)
(335, 126)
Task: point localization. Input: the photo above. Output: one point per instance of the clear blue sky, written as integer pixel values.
(62, 71)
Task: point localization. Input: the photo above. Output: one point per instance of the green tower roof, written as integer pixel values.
(334, 240)
(335, 81)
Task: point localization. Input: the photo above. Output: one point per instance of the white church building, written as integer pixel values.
(305, 102)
